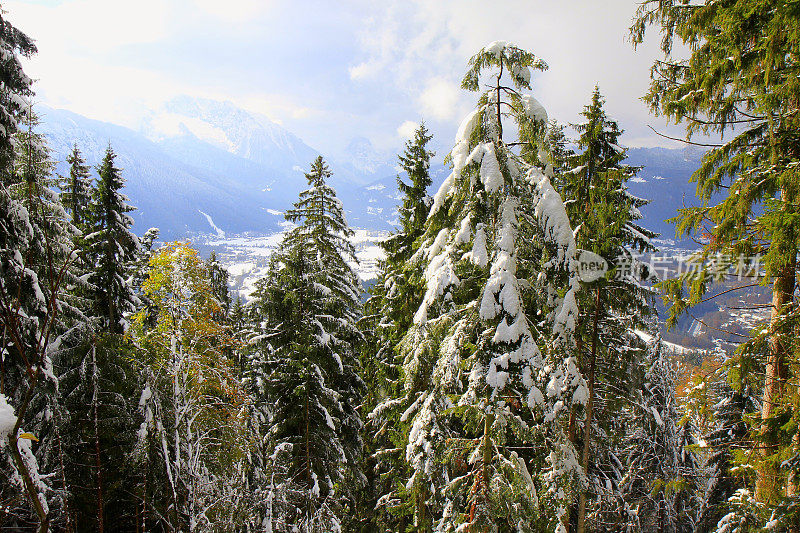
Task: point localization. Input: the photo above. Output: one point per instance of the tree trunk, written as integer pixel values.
(572, 425)
(421, 518)
(97, 462)
(587, 433)
(487, 456)
(22, 468)
(776, 374)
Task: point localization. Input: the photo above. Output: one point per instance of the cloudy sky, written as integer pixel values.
(330, 71)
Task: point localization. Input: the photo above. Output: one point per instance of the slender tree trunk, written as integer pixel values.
(587, 433)
(499, 116)
(308, 463)
(59, 439)
(22, 468)
(792, 489)
(421, 515)
(487, 456)
(97, 462)
(776, 374)
(572, 425)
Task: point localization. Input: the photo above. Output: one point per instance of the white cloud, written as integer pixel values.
(406, 129)
(233, 10)
(91, 26)
(113, 60)
(440, 99)
(584, 42)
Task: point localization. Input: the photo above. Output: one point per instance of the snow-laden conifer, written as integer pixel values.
(494, 329)
(311, 303)
(112, 247)
(660, 482)
(613, 307)
(388, 314)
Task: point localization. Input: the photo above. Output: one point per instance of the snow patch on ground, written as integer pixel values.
(246, 257)
(676, 349)
(220, 233)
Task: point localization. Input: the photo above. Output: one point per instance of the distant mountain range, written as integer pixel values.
(206, 167)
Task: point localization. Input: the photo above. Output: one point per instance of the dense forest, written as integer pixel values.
(490, 381)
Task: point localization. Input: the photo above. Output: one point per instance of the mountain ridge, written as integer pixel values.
(210, 166)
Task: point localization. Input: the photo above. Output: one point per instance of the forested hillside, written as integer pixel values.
(517, 360)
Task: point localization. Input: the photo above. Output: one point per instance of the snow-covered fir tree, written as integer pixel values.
(311, 303)
(728, 443)
(660, 485)
(112, 247)
(17, 88)
(388, 314)
(76, 189)
(493, 334)
(613, 307)
(35, 256)
(50, 259)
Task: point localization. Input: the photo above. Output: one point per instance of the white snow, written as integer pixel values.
(491, 176)
(246, 257)
(468, 125)
(534, 109)
(7, 418)
(496, 48)
(220, 233)
(146, 395)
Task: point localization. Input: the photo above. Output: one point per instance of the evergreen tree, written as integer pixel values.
(15, 92)
(659, 483)
(33, 264)
(741, 78)
(728, 438)
(388, 315)
(612, 307)
(311, 303)
(494, 329)
(76, 189)
(41, 319)
(219, 284)
(112, 246)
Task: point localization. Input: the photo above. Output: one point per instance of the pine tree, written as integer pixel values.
(112, 246)
(40, 318)
(76, 189)
(728, 438)
(659, 484)
(219, 284)
(494, 329)
(16, 90)
(33, 184)
(741, 78)
(612, 307)
(312, 302)
(388, 315)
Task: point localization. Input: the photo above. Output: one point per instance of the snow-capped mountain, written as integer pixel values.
(250, 136)
(178, 197)
(203, 166)
(363, 163)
